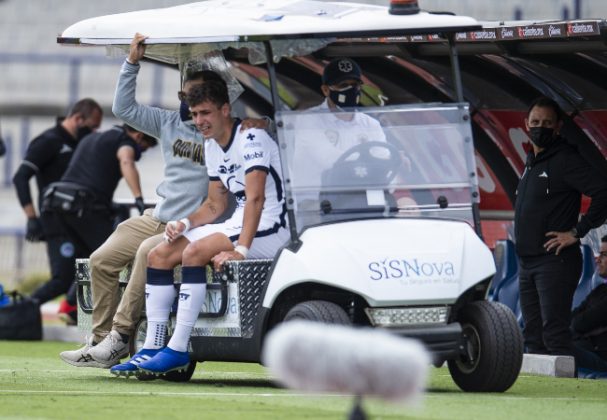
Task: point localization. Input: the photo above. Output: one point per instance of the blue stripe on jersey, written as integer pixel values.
(277, 182)
(214, 178)
(232, 135)
(268, 232)
(261, 233)
(257, 168)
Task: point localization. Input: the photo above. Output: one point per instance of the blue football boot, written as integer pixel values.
(166, 360)
(132, 366)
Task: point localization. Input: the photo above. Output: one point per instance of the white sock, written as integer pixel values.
(158, 302)
(191, 298)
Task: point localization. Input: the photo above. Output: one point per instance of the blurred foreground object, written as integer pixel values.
(317, 357)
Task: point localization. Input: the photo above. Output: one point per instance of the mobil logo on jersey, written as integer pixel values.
(253, 155)
(414, 269)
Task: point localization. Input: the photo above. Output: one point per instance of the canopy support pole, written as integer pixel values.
(459, 96)
(295, 241)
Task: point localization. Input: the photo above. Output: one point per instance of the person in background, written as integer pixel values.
(83, 197)
(341, 87)
(47, 157)
(548, 228)
(589, 319)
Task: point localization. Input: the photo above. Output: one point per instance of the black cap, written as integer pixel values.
(341, 69)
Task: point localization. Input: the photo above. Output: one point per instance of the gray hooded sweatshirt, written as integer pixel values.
(186, 181)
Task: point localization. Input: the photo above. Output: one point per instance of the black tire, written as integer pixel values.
(180, 376)
(494, 348)
(319, 311)
(136, 343)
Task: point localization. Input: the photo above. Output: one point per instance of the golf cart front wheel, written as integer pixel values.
(493, 348)
(319, 311)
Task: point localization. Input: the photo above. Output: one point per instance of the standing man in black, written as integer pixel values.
(47, 158)
(547, 229)
(83, 198)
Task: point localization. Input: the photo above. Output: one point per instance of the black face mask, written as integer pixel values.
(345, 98)
(83, 131)
(542, 137)
(184, 111)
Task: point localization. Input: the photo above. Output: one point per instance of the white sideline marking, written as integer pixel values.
(269, 395)
(172, 394)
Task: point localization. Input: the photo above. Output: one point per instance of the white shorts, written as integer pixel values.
(269, 238)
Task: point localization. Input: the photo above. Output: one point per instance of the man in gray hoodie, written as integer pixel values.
(181, 192)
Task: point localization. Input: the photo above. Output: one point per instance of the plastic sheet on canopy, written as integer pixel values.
(209, 56)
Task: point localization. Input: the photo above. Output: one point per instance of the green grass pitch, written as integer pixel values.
(35, 383)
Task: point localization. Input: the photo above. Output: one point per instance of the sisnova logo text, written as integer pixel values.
(413, 268)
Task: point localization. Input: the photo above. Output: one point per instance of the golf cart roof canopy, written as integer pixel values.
(245, 20)
(234, 22)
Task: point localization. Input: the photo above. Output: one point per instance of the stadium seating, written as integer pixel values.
(504, 285)
(585, 285)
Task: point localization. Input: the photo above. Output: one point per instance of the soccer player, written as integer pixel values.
(245, 163)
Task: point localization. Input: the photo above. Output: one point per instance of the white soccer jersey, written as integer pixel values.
(249, 150)
(331, 138)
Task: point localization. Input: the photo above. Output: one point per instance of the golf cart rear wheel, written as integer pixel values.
(319, 311)
(493, 348)
(136, 344)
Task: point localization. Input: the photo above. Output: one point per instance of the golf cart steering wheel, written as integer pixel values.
(369, 163)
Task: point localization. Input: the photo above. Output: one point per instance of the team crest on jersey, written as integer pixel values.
(223, 169)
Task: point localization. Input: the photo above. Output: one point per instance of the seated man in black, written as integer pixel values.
(589, 320)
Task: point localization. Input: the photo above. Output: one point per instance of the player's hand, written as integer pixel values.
(173, 230)
(33, 230)
(253, 123)
(137, 48)
(219, 259)
(140, 204)
(559, 241)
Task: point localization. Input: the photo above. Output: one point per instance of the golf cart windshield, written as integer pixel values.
(397, 161)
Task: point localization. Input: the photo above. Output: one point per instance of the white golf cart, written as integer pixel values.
(382, 202)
